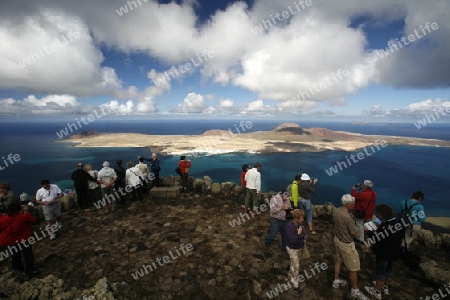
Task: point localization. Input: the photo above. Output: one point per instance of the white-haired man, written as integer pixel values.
(345, 232)
(106, 177)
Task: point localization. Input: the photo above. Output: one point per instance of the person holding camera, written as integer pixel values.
(365, 201)
(306, 187)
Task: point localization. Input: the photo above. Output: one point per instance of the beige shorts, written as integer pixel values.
(347, 253)
(52, 211)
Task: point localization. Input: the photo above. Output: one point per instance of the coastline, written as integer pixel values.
(437, 224)
(287, 138)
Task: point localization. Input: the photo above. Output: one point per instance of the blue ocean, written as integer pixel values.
(396, 171)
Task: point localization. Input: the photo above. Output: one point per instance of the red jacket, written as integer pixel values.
(365, 200)
(15, 228)
(184, 166)
(243, 182)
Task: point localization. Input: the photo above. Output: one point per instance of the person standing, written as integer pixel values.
(15, 227)
(305, 188)
(253, 185)
(345, 231)
(49, 195)
(155, 168)
(415, 210)
(279, 205)
(243, 192)
(364, 206)
(184, 166)
(133, 179)
(142, 166)
(80, 180)
(386, 248)
(107, 177)
(119, 185)
(295, 240)
(293, 189)
(93, 187)
(6, 197)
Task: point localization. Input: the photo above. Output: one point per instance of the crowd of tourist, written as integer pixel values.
(358, 217)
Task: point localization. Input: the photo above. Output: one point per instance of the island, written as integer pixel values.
(286, 137)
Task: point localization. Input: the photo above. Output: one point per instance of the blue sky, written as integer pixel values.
(254, 58)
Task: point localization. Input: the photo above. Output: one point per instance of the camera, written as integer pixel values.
(359, 185)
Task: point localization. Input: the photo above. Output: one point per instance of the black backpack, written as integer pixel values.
(404, 214)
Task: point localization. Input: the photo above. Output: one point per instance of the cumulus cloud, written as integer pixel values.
(51, 104)
(193, 103)
(277, 64)
(422, 108)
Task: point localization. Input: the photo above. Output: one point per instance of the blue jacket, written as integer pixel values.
(413, 211)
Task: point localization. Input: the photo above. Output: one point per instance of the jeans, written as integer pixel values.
(277, 225)
(384, 269)
(242, 195)
(307, 208)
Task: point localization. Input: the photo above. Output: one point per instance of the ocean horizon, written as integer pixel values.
(395, 170)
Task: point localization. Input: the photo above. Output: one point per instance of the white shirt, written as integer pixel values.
(143, 168)
(106, 174)
(48, 195)
(92, 185)
(253, 179)
(132, 177)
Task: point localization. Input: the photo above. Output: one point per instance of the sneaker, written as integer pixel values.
(385, 288)
(313, 232)
(59, 224)
(357, 294)
(339, 282)
(372, 291)
(297, 290)
(52, 236)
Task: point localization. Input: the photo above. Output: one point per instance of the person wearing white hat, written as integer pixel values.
(345, 233)
(306, 187)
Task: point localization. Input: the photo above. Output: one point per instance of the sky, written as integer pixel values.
(386, 60)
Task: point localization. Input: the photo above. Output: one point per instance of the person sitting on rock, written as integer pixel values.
(15, 227)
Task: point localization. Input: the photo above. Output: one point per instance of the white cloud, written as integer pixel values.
(193, 103)
(52, 51)
(275, 65)
(417, 109)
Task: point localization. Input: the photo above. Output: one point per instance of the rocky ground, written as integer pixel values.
(225, 262)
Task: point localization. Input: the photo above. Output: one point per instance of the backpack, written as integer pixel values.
(404, 214)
